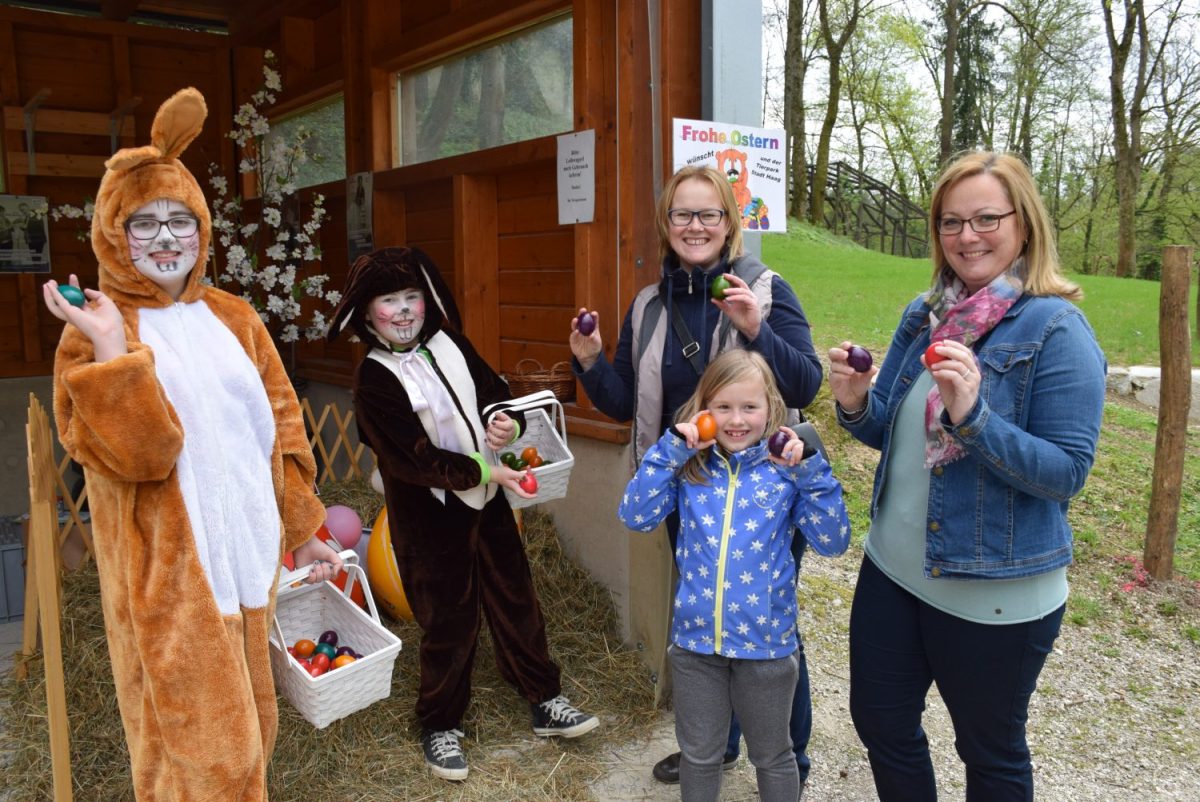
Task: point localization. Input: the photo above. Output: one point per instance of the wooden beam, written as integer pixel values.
(62, 121)
(298, 44)
(62, 165)
(118, 10)
(477, 262)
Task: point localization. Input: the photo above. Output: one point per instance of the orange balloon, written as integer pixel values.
(383, 572)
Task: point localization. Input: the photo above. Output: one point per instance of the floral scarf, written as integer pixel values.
(954, 315)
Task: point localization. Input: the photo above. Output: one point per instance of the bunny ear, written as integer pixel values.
(178, 122)
(128, 158)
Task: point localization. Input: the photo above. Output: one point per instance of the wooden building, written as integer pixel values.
(77, 85)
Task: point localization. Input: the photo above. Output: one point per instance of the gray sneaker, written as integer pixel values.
(444, 754)
(558, 717)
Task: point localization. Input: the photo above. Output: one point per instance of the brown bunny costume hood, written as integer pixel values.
(159, 430)
(137, 176)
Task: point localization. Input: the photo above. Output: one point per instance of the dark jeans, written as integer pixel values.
(985, 673)
(800, 726)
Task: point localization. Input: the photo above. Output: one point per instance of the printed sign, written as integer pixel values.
(753, 159)
(577, 177)
(360, 237)
(24, 235)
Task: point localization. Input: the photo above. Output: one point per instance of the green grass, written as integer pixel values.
(850, 293)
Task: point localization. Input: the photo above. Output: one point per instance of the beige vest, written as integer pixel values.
(649, 328)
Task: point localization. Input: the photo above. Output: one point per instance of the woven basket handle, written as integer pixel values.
(542, 398)
(354, 573)
(517, 367)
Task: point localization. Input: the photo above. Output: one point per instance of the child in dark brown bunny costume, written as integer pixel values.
(172, 396)
(419, 399)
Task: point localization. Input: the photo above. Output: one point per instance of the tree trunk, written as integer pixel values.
(794, 70)
(1174, 401)
(951, 20)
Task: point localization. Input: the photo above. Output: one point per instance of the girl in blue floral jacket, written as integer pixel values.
(734, 629)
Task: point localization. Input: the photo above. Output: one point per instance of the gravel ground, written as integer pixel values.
(1116, 715)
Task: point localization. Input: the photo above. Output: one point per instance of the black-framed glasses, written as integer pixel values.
(980, 223)
(684, 217)
(147, 228)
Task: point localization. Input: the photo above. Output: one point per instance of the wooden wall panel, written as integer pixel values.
(75, 68)
(91, 67)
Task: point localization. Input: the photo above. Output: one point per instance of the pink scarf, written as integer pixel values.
(954, 315)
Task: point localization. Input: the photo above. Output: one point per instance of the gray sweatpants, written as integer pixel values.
(707, 688)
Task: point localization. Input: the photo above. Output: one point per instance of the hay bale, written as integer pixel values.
(375, 753)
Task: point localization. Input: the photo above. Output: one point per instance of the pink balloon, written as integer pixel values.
(344, 524)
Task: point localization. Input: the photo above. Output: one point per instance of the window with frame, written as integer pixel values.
(325, 126)
(517, 88)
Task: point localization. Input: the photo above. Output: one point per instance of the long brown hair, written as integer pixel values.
(736, 365)
(1043, 276)
(733, 215)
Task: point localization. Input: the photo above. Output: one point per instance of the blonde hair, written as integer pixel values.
(733, 215)
(736, 365)
(1043, 276)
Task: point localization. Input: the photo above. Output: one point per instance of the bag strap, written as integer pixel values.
(691, 348)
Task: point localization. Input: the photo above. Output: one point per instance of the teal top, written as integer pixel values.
(896, 542)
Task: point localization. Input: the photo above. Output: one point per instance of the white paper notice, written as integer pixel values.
(577, 177)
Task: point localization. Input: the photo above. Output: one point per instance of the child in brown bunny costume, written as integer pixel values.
(421, 397)
(172, 396)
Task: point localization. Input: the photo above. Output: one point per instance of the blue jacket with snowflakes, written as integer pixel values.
(737, 578)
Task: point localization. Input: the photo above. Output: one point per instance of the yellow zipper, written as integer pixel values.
(719, 612)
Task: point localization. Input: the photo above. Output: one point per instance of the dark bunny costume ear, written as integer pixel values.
(388, 270)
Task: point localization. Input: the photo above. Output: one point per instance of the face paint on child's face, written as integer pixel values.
(167, 257)
(740, 409)
(398, 316)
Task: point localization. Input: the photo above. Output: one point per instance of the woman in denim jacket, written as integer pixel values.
(984, 438)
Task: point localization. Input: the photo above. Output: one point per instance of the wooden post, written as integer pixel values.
(43, 545)
(1174, 400)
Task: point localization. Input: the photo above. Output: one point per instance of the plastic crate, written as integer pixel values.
(305, 611)
(12, 570)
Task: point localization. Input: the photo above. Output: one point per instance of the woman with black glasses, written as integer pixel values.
(710, 296)
(986, 412)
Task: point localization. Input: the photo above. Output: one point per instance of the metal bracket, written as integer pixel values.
(30, 112)
(116, 119)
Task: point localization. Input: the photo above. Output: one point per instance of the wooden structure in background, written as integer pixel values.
(1174, 402)
(42, 585)
(488, 219)
(872, 213)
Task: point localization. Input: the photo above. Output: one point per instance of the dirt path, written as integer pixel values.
(1116, 716)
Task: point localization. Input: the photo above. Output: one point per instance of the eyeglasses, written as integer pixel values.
(980, 223)
(147, 228)
(684, 217)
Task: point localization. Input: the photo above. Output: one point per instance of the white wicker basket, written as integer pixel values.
(305, 611)
(546, 429)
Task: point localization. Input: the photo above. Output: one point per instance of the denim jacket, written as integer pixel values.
(1000, 512)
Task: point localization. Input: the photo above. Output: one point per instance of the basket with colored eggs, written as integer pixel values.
(350, 664)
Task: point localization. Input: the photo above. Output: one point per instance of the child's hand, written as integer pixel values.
(506, 477)
(326, 564)
(793, 450)
(100, 321)
(691, 432)
(500, 431)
